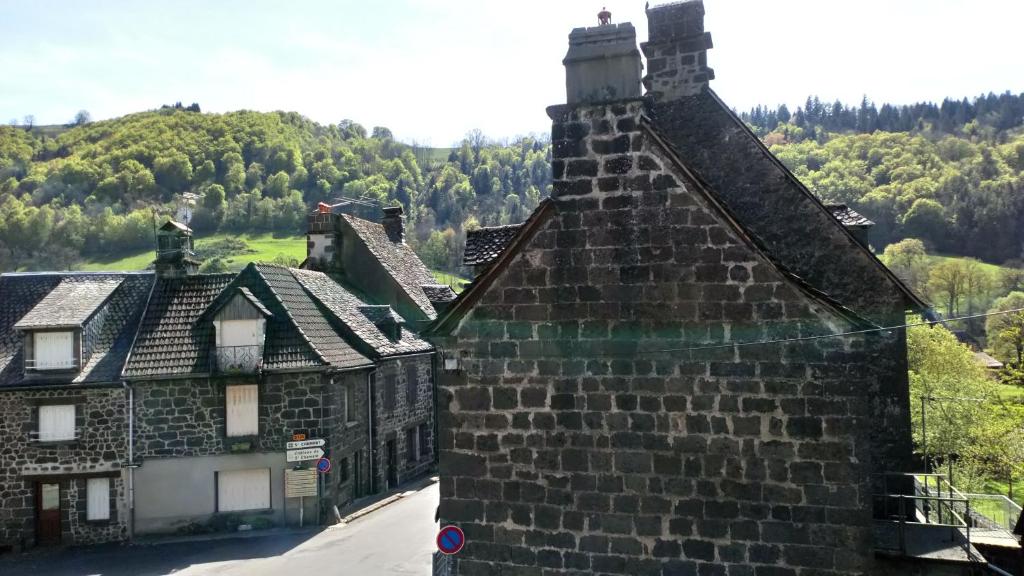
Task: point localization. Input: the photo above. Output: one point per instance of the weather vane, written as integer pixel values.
(604, 17)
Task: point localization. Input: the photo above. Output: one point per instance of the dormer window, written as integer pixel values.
(240, 325)
(52, 351)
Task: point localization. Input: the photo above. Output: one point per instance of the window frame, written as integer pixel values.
(411, 442)
(218, 501)
(107, 509)
(48, 407)
(412, 383)
(32, 351)
(423, 440)
(227, 412)
(390, 392)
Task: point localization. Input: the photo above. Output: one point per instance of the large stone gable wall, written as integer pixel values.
(569, 445)
(100, 449)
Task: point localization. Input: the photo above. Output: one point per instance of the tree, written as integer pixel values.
(1006, 331)
(81, 118)
(28, 122)
(1011, 276)
(909, 260)
(925, 219)
(173, 172)
(946, 282)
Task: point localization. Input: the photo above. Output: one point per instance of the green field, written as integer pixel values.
(261, 248)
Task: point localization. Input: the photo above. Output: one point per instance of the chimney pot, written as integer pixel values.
(394, 223)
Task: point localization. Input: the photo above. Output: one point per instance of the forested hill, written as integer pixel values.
(94, 188)
(950, 174)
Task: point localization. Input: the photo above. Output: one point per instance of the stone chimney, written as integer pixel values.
(175, 254)
(677, 51)
(320, 236)
(603, 64)
(394, 224)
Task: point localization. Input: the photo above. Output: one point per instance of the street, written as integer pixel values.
(395, 540)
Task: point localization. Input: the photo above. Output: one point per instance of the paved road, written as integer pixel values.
(396, 540)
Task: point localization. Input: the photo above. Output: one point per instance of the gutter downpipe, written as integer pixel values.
(370, 467)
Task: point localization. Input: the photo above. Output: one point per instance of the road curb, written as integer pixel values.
(406, 491)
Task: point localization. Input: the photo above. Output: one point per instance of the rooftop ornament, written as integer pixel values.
(604, 17)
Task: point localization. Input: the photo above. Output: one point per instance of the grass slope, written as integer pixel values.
(261, 248)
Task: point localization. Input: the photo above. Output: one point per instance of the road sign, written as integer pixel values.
(323, 465)
(299, 483)
(450, 540)
(305, 454)
(298, 436)
(305, 444)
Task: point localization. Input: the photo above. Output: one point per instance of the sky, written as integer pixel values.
(432, 70)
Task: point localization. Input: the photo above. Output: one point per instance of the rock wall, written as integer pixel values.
(392, 423)
(572, 442)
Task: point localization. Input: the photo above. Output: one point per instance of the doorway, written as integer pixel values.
(48, 513)
(392, 454)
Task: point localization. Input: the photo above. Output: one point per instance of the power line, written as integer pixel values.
(836, 335)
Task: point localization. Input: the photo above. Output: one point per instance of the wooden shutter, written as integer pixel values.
(98, 494)
(424, 440)
(389, 393)
(243, 490)
(53, 350)
(56, 423)
(242, 410)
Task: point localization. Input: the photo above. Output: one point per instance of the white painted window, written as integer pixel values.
(56, 423)
(243, 490)
(243, 410)
(98, 493)
(240, 333)
(53, 350)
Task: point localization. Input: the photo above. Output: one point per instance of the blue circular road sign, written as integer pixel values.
(450, 540)
(323, 465)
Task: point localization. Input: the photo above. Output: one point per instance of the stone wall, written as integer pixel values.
(348, 440)
(392, 424)
(99, 450)
(677, 50)
(572, 442)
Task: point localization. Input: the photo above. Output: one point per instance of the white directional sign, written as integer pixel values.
(305, 454)
(306, 444)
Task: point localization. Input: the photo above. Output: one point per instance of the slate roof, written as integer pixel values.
(773, 205)
(311, 323)
(483, 245)
(177, 339)
(848, 216)
(361, 319)
(399, 260)
(169, 341)
(21, 293)
(71, 302)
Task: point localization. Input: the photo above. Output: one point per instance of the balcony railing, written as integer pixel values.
(68, 364)
(923, 516)
(243, 359)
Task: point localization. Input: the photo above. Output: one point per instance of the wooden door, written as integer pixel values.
(48, 513)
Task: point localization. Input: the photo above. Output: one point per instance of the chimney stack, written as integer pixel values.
(394, 224)
(677, 51)
(175, 254)
(603, 64)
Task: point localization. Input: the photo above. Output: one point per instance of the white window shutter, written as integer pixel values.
(241, 333)
(98, 494)
(56, 423)
(243, 490)
(53, 350)
(243, 410)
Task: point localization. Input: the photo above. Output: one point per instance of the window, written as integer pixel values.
(350, 406)
(240, 333)
(98, 495)
(56, 423)
(410, 444)
(389, 393)
(411, 385)
(343, 470)
(242, 410)
(243, 490)
(424, 441)
(53, 350)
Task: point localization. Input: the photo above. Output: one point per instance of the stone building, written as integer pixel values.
(63, 431)
(171, 396)
(673, 366)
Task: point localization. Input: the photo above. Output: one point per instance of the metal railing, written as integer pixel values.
(922, 500)
(245, 359)
(994, 511)
(68, 364)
